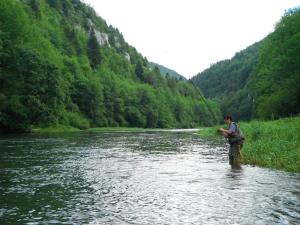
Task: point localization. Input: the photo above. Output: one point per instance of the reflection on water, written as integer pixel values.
(137, 178)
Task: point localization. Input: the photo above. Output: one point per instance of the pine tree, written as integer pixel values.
(94, 50)
(139, 71)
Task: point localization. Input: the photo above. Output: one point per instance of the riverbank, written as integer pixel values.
(272, 144)
(62, 129)
(54, 129)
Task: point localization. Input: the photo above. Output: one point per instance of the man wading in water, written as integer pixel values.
(235, 139)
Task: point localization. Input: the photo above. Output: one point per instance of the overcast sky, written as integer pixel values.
(189, 35)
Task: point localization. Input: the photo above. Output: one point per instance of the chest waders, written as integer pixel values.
(236, 143)
(237, 136)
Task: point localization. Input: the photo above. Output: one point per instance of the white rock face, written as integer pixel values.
(117, 43)
(102, 38)
(91, 24)
(78, 27)
(127, 56)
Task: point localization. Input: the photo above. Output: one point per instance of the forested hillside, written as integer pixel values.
(275, 82)
(166, 71)
(61, 64)
(261, 81)
(225, 82)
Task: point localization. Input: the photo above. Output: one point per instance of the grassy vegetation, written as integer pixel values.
(63, 128)
(272, 144)
(55, 129)
(121, 129)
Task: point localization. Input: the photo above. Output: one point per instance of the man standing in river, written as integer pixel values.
(235, 139)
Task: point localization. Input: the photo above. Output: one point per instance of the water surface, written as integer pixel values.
(137, 178)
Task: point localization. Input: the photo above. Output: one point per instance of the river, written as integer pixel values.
(173, 177)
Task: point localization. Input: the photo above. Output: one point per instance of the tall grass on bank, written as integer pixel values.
(63, 128)
(272, 144)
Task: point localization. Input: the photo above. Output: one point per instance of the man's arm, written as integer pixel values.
(225, 132)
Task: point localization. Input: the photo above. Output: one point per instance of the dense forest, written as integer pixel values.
(261, 81)
(225, 82)
(61, 64)
(166, 71)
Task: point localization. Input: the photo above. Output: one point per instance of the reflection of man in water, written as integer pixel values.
(235, 139)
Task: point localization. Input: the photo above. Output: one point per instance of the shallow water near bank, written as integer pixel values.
(137, 178)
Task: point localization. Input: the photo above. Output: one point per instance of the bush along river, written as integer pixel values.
(167, 177)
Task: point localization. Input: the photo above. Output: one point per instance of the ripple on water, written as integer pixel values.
(141, 178)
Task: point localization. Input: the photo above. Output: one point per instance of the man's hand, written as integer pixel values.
(224, 132)
(221, 129)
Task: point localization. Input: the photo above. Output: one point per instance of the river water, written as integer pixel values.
(171, 177)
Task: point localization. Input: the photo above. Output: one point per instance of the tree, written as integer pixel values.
(94, 51)
(13, 114)
(275, 83)
(13, 22)
(88, 96)
(139, 70)
(55, 4)
(40, 89)
(134, 117)
(35, 6)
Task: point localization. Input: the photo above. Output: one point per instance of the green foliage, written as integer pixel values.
(238, 104)
(228, 76)
(54, 73)
(13, 114)
(94, 50)
(134, 117)
(225, 82)
(55, 129)
(77, 120)
(40, 86)
(35, 6)
(87, 95)
(166, 71)
(54, 3)
(139, 70)
(276, 81)
(273, 144)
(261, 81)
(13, 21)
